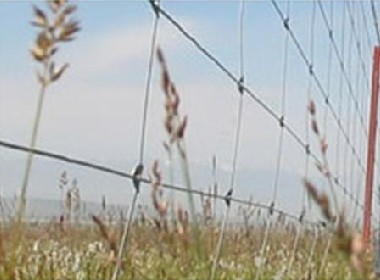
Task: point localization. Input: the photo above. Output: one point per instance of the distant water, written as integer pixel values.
(48, 210)
(45, 210)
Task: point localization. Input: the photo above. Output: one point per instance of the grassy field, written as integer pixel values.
(174, 242)
(55, 251)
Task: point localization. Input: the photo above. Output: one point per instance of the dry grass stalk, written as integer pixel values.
(68, 206)
(176, 127)
(247, 212)
(206, 207)
(324, 166)
(159, 203)
(61, 224)
(106, 234)
(71, 202)
(347, 240)
(1, 246)
(321, 199)
(55, 27)
(182, 221)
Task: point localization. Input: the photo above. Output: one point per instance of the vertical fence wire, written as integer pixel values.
(358, 76)
(140, 166)
(308, 121)
(339, 55)
(328, 85)
(262, 257)
(254, 96)
(287, 267)
(349, 116)
(325, 127)
(348, 71)
(358, 46)
(340, 99)
(240, 40)
(321, 90)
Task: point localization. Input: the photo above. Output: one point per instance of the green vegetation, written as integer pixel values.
(173, 243)
(51, 251)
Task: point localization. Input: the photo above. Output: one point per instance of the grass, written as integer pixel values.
(174, 243)
(55, 27)
(47, 252)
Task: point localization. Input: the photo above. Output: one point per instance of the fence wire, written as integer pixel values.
(349, 170)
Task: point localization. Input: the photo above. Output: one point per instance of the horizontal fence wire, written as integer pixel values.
(318, 82)
(350, 123)
(123, 174)
(271, 112)
(279, 118)
(348, 82)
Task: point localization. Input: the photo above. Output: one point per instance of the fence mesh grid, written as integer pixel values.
(320, 53)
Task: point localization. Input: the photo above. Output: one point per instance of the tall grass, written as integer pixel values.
(175, 246)
(55, 27)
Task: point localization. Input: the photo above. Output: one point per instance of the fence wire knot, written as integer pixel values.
(154, 4)
(136, 176)
(331, 34)
(286, 23)
(311, 69)
(271, 208)
(228, 197)
(307, 149)
(302, 215)
(336, 180)
(241, 85)
(281, 121)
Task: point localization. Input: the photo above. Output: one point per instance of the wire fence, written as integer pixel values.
(332, 53)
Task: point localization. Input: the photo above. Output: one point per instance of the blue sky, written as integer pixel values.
(95, 111)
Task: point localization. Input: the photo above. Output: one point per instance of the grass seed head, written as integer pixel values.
(159, 203)
(105, 233)
(324, 146)
(175, 127)
(55, 28)
(312, 108)
(40, 20)
(314, 126)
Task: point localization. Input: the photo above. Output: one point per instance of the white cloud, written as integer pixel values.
(113, 49)
(98, 118)
(82, 104)
(85, 116)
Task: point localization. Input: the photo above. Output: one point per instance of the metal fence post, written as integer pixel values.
(377, 244)
(371, 146)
